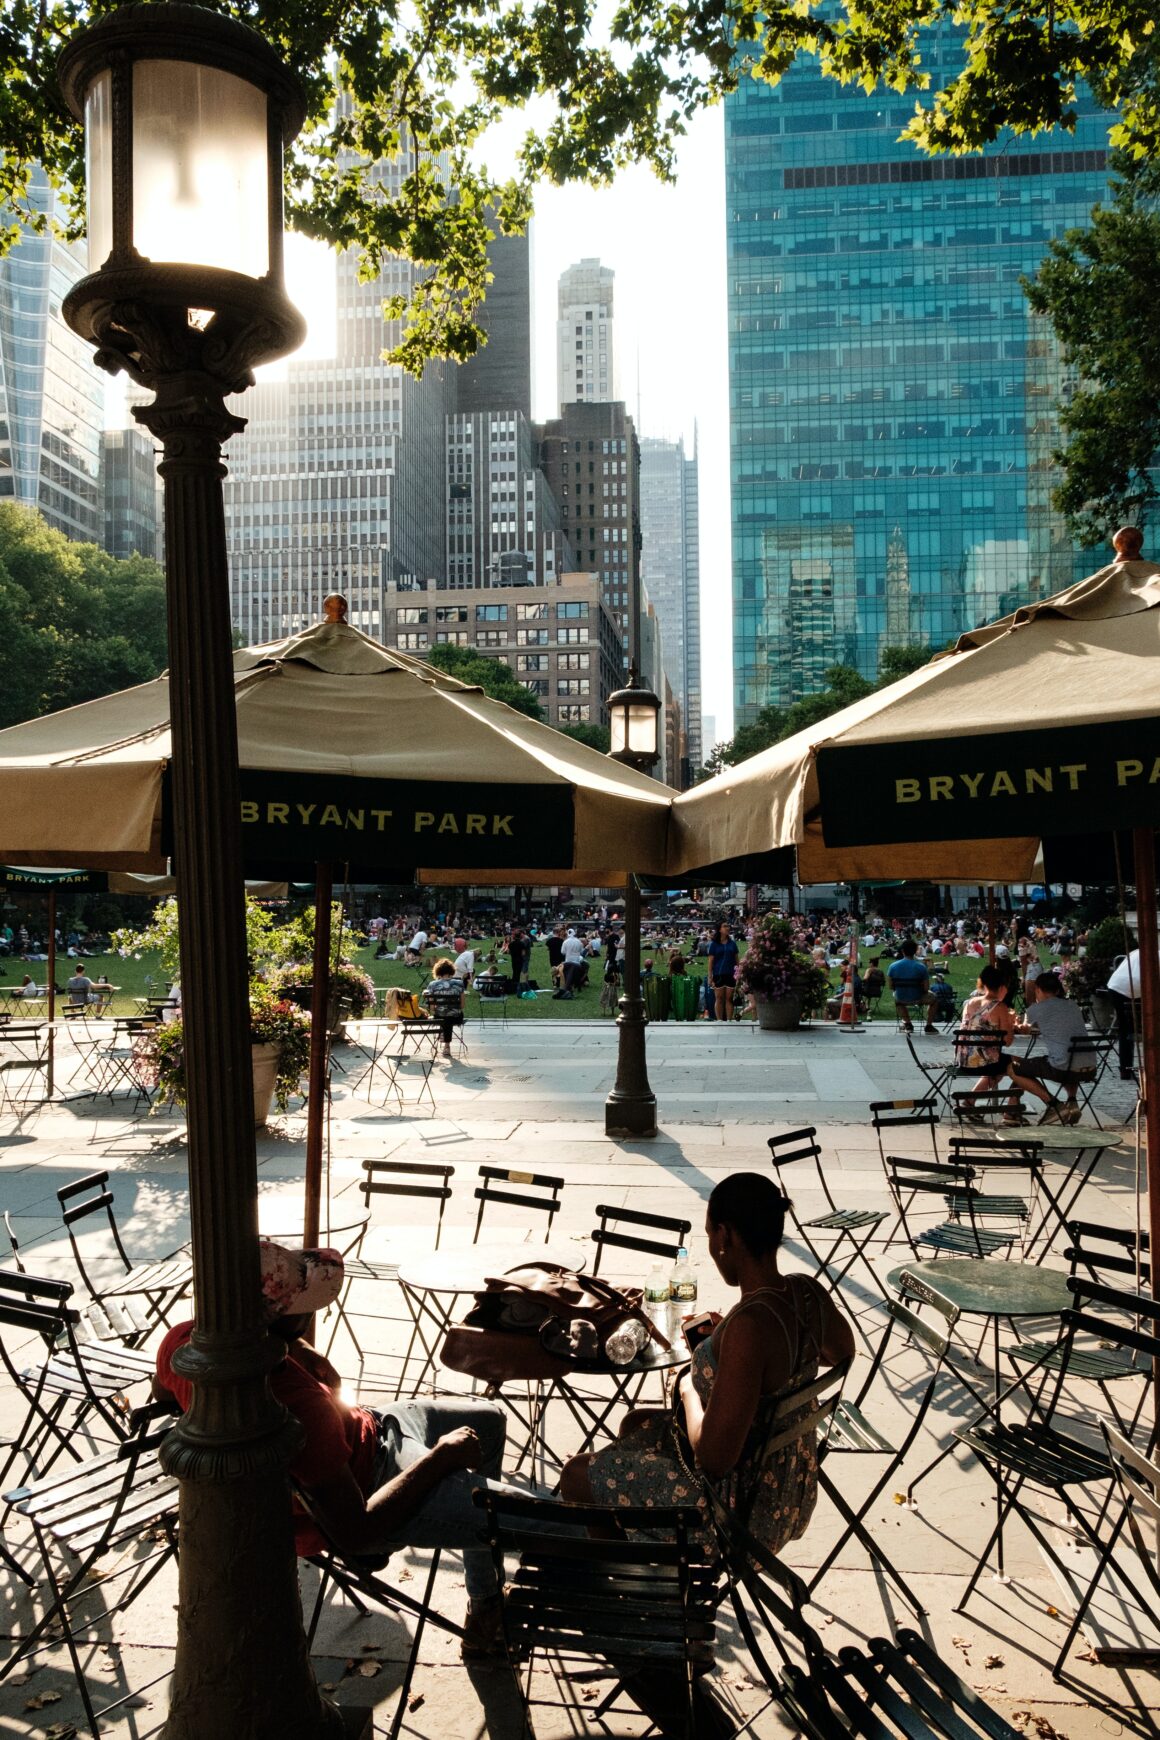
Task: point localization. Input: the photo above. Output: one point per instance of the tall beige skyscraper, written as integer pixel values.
(585, 365)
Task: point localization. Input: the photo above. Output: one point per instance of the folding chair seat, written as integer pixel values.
(491, 1189)
(362, 1583)
(644, 1607)
(158, 1284)
(1138, 1483)
(77, 1517)
(851, 1229)
(1096, 1253)
(119, 1320)
(890, 1691)
(979, 1152)
(850, 1431)
(71, 1382)
(1035, 1453)
(959, 1236)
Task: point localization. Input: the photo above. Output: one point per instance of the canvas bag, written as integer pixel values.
(541, 1320)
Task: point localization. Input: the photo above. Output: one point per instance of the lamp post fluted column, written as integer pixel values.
(631, 1107)
(186, 296)
(242, 1666)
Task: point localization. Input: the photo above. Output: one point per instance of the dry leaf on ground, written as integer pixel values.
(417, 1701)
(39, 1702)
(994, 1661)
(368, 1669)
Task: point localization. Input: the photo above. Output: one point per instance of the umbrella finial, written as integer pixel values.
(1128, 543)
(334, 607)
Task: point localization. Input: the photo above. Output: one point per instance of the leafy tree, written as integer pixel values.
(597, 737)
(490, 675)
(75, 623)
(607, 87)
(1097, 287)
(900, 661)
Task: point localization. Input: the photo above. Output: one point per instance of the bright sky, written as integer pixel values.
(666, 245)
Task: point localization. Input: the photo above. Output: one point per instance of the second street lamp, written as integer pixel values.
(186, 114)
(631, 1107)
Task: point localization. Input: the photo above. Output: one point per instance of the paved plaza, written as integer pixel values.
(530, 1096)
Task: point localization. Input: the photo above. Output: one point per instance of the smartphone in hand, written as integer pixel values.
(695, 1329)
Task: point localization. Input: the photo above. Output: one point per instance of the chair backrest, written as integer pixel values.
(933, 1337)
(914, 1120)
(1087, 1052)
(1099, 1250)
(38, 1304)
(612, 1235)
(1139, 1308)
(13, 1243)
(1138, 1478)
(900, 1688)
(781, 1421)
(908, 1177)
(400, 1178)
(494, 1178)
(81, 1201)
(653, 1596)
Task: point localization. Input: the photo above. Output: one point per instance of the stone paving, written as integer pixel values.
(531, 1097)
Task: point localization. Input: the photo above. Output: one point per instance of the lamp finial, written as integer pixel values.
(1128, 542)
(334, 607)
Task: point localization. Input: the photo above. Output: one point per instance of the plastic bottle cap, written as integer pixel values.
(681, 1252)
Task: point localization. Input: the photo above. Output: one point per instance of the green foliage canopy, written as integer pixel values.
(491, 675)
(1098, 288)
(605, 86)
(74, 622)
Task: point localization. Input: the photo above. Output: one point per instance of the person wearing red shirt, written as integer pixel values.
(376, 1480)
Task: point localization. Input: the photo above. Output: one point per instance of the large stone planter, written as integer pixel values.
(778, 1014)
(265, 1059)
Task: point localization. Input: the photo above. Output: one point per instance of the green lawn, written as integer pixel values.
(141, 975)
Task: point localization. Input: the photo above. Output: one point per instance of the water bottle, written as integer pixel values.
(683, 1280)
(656, 1288)
(625, 1343)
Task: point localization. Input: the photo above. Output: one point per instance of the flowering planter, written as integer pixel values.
(265, 1062)
(778, 1014)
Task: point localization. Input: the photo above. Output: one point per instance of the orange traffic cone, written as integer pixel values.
(848, 1014)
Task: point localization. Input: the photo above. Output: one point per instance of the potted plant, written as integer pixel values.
(784, 982)
(352, 992)
(279, 1032)
(280, 1041)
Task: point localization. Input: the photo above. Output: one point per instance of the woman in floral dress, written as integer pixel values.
(782, 1329)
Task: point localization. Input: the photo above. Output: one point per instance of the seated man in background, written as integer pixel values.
(1059, 1023)
(375, 1480)
(910, 983)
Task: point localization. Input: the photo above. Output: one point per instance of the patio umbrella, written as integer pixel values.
(349, 753)
(1044, 725)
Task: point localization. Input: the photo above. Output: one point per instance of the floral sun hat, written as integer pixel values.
(295, 1283)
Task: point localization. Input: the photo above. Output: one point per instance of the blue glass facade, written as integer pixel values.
(891, 395)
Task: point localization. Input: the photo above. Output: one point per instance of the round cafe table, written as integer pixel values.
(1076, 1149)
(993, 1288)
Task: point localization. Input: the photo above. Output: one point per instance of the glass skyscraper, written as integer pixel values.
(892, 397)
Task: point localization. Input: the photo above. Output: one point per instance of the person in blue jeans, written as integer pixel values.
(376, 1480)
(910, 984)
(723, 971)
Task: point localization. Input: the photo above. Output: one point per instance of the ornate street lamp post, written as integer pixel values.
(186, 114)
(631, 1107)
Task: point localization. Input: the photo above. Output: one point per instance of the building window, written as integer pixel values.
(573, 661)
(572, 685)
(491, 637)
(491, 613)
(412, 642)
(578, 612)
(531, 661)
(573, 636)
(531, 637)
(450, 613)
(451, 637)
(573, 713)
(532, 613)
(411, 615)
(537, 685)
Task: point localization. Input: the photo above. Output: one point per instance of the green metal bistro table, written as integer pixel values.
(993, 1288)
(1073, 1147)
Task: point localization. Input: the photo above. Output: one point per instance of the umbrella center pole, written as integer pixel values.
(242, 1666)
(631, 1107)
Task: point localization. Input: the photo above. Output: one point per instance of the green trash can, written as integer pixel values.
(657, 997)
(684, 996)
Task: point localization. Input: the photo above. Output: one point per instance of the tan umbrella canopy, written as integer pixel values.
(949, 774)
(349, 754)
